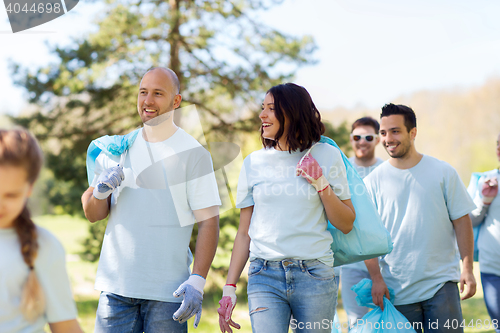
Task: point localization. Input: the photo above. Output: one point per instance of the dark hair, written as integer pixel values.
(303, 118)
(366, 121)
(19, 149)
(407, 112)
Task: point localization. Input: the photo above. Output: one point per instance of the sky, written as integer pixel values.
(369, 52)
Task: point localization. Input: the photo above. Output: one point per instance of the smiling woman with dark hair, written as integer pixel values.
(287, 192)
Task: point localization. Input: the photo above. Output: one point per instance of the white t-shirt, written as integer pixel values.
(417, 206)
(289, 220)
(50, 269)
(363, 172)
(145, 252)
(488, 242)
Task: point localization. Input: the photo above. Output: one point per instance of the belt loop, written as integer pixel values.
(302, 266)
(265, 264)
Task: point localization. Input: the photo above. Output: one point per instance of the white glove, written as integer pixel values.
(108, 181)
(192, 290)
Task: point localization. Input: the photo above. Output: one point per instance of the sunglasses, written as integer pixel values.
(367, 137)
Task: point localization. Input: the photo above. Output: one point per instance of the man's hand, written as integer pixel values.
(309, 168)
(108, 181)
(379, 290)
(467, 278)
(489, 190)
(227, 304)
(192, 290)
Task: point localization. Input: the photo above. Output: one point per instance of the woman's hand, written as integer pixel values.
(227, 304)
(309, 168)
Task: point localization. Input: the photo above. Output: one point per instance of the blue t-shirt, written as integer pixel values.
(417, 206)
(145, 252)
(289, 220)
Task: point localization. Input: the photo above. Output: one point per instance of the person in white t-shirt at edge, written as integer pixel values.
(488, 212)
(165, 184)
(35, 288)
(425, 207)
(364, 139)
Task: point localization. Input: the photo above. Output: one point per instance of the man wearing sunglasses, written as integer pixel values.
(364, 139)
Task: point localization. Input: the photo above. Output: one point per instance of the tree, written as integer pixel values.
(225, 60)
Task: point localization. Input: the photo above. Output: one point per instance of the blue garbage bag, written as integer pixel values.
(377, 321)
(368, 238)
(336, 328)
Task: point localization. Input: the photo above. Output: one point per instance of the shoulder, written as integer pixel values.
(436, 165)
(49, 246)
(186, 139)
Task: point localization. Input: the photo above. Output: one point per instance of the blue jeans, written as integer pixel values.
(491, 290)
(118, 314)
(441, 313)
(278, 289)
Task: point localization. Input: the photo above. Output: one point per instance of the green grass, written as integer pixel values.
(72, 230)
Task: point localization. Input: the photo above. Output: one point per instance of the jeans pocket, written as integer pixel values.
(256, 267)
(318, 270)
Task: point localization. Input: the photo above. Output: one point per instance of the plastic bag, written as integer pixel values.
(368, 238)
(472, 189)
(378, 321)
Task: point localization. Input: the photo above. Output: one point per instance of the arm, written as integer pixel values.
(465, 241)
(94, 209)
(67, 326)
(379, 288)
(478, 214)
(206, 242)
(239, 257)
(241, 247)
(340, 213)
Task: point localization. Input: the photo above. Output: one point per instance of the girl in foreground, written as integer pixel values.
(35, 287)
(287, 192)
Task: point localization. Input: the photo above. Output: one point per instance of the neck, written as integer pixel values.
(408, 161)
(160, 131)
(365, 162)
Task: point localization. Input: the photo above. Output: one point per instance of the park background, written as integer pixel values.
(75, 79)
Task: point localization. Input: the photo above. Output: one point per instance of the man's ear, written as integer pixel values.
(177, 100)
(413, 133)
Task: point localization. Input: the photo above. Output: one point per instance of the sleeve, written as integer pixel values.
(202, 187)
(99, 168)
(50, 268)
(477, 215)
(458, 200)
(337, 176)
(244, 194)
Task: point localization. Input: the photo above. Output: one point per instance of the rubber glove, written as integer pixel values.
(309, 168)
(227, 304)
(192, 290)
(489, 190)
(108, 181)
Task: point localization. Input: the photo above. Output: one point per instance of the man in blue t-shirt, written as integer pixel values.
(425, 206)
(153, 194)
(364, 139)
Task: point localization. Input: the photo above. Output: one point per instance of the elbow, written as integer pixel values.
(347, 229)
